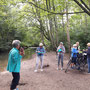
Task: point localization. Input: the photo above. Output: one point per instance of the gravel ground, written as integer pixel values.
(49, 79)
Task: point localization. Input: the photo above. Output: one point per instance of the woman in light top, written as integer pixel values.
(60, 51)
(40, 54)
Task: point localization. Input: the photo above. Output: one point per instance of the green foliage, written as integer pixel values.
(35, 21)
(82, 34)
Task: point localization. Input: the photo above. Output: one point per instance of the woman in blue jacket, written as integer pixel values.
(14, 63)
(40, 53)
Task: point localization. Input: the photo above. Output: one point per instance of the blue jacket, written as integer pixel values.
(14, 61)
(42, 51)
(88, 52)
(74, 52)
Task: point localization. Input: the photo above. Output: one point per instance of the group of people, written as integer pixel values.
(74, 54)
(16, 53)
(40, 54)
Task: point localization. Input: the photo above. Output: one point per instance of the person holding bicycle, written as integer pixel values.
(74, 53)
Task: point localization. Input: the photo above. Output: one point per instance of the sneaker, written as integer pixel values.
(61, 68)
(73, 67)
(35, 70)
(88, 72)
(17, 89)
(78, 68)
(41, 70)
(57, 68)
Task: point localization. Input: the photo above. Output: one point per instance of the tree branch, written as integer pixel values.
(54, 12)
(85, 10)
(85, 5)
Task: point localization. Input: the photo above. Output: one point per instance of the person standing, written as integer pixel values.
(88, 57)
(74, 53)
(40, 54)
(60, 52)
(14, 63)
(78, 46)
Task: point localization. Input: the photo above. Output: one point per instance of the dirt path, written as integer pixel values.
(49, 79)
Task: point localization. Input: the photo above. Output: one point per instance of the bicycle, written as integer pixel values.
(81, 62)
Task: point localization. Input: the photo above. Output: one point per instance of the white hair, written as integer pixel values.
(15, 43)
(41, 44)
(61, 43)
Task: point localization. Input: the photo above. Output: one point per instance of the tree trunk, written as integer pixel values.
(67, 28)
(63, 25)
(40, 21)
(86, 20)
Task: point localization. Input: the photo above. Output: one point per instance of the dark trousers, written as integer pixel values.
(88, 61)
(15, 81)
(74, 59)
